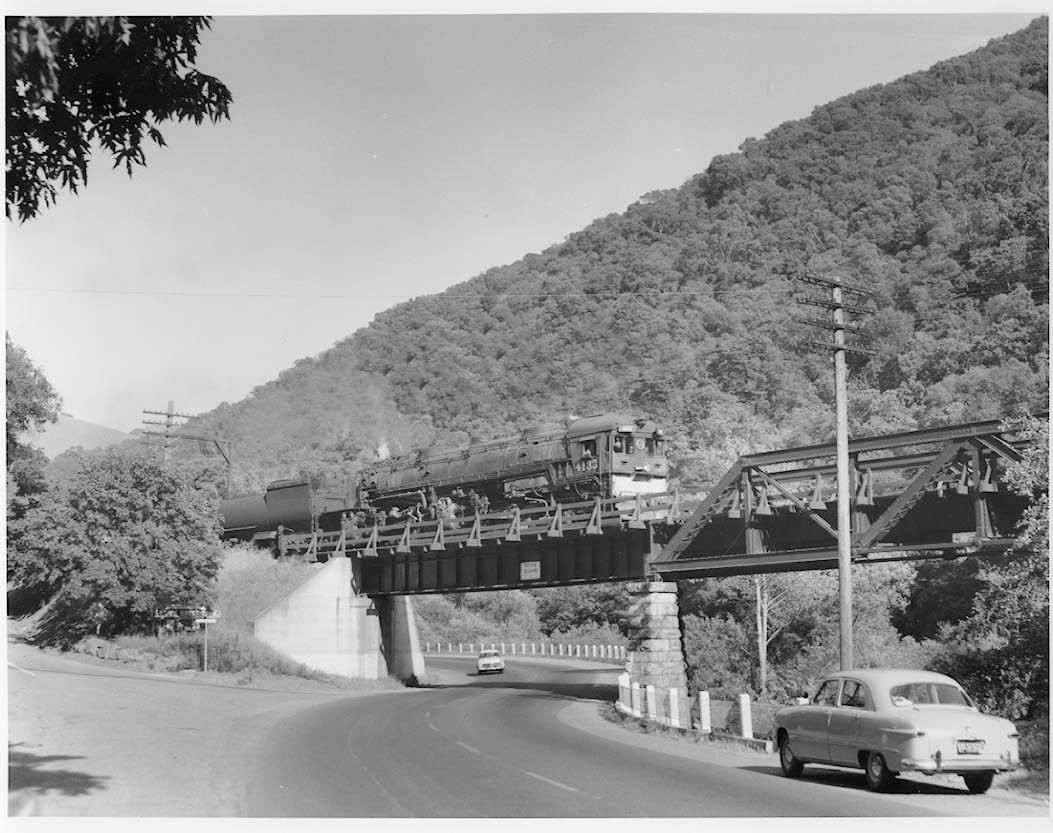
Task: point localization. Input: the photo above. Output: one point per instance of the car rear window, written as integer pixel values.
(928, 694)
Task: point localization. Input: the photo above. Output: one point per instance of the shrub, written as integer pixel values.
(590, 633)
(250, 580)
(231, 651)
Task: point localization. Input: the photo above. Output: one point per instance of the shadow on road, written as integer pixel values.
(853, 779)
(570, 691)
(25, 771)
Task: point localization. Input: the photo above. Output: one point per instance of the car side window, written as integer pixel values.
(854, 695)
(827, 693)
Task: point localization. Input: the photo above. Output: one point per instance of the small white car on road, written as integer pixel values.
(490, 660)
(887, 721)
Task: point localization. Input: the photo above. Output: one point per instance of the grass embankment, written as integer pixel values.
(243, 657)
(249, 581)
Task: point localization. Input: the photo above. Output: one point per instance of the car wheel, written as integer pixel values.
(978, 782)
(791, 766)
(879, 778)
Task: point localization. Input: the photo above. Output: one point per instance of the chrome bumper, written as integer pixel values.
(931, 766)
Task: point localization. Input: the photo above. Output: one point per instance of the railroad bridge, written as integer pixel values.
(935, 493)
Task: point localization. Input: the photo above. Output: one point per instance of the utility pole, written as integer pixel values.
(844, 497)
(170, 424)
(171, 434)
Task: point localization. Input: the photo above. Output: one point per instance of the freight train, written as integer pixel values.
(604, 456)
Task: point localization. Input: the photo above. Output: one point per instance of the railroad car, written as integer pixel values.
(289, 505)
(607, 455)
(598, 456)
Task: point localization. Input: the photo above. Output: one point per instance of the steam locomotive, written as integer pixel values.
(604, 456)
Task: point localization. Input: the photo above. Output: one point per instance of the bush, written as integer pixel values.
(250, 580)
(497, 616)
(716, 649)
(1034, 743)
(590, 633)
(229, 651)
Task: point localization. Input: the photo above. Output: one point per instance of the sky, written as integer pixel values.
(370, 159)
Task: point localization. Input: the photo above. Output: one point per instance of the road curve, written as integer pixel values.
(496, 747)
(89, 738)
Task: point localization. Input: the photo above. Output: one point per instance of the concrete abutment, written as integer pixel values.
(325, 624)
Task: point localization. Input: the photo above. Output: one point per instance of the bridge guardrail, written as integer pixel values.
(551, 650)
(548, 521)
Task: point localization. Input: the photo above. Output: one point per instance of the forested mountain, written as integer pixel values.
(931, 192)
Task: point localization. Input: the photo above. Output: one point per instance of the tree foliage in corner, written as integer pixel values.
(31, 402)
(124, 536)
(72, 81)
(1000, 652)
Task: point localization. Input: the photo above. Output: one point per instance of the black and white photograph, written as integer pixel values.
(596, 413)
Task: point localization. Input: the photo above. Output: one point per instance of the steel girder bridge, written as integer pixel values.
(934, 493)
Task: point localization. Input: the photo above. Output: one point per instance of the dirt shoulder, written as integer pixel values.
(91, 737)
(94, 737)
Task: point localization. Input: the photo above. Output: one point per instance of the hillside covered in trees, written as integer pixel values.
(931, 192)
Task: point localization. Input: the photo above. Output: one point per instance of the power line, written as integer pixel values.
(712, 291)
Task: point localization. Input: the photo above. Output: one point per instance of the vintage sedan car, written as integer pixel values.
(490, 660)
(887, 721)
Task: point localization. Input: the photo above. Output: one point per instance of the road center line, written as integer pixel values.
(469, 748)
(20, 668)
(433, 727)
(550, 781)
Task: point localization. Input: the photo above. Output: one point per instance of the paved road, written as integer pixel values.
(92, 740)
(522, 745)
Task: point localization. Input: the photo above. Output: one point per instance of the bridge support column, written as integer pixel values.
(656, 654)
(325, 624)
(400, 643)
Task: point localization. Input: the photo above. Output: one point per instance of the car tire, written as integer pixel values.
(879, 778)
(978, 782)
(792, 766)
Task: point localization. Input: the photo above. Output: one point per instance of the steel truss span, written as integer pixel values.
(934, 493)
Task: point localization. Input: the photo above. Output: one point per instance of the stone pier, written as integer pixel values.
(655, 651)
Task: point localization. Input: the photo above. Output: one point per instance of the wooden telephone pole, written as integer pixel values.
(844, 496)
(171, 434)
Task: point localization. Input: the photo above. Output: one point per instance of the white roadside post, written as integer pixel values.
(705, 720)
(674, 708)
(652, 711)
(747, 716)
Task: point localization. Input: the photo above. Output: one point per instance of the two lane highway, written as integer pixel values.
(495, 746)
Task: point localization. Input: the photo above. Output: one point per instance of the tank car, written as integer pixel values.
(287, 505)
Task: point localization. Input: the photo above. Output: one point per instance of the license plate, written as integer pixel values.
(970, 747)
